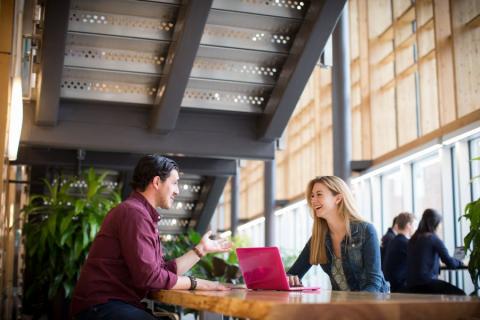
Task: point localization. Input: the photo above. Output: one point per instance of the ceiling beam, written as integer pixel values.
(51, 62)
(29, 155)
(116, 128)
(207, 203)
(304, 54)
(186, 40)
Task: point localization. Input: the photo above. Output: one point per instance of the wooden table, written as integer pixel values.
(323, 304)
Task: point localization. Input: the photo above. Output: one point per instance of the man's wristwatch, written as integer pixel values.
(193, 283)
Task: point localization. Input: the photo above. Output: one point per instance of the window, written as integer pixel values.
(427, 185)
(475, 167)
(363, 197)
(392, 201)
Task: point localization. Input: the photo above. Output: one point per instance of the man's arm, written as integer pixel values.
(184, 283)
(188, 260)
(206, 245)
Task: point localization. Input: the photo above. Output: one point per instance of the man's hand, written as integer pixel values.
(208, 245)
(210, 285)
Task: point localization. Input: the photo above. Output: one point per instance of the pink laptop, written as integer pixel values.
(262, 269)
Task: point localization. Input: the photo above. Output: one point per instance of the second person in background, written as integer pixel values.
(345, 245)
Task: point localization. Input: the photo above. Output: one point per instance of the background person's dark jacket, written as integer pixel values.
(395, 263)
(423, 259)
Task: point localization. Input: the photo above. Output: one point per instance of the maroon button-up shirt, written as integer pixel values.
(125, 261)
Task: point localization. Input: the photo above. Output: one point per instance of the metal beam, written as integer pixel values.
(304, 54)
(186, 40)
(117, 128)
(207, 202)
(269, 196)
(36, 156)
(235, 201)
(341, 113)
(51, 64)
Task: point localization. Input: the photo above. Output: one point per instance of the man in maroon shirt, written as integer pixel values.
(126, 260)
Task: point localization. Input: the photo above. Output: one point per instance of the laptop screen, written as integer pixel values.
(459, 253)
(262, 268)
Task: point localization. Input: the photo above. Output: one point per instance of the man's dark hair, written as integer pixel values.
(150, 166)
(403, 219)
(429, 223)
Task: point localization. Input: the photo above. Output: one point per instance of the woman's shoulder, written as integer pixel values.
(425, 237)
(361, 225)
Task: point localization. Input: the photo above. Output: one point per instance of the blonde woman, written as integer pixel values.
(345, 246)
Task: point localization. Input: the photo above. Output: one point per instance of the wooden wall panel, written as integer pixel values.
(227, 207)
(354, 29)
(384, 118)
(356, 134)
(400, 7)
(444, 52)
(407, 109)
(6, 25)
(428, 97)
(379, 17)
(466, 44)
(424, 11)
(364, 63)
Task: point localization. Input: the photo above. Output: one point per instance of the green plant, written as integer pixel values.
(215, 267)
(472, 240)
(60, 228)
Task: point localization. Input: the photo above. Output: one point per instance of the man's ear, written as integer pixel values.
(156, 182)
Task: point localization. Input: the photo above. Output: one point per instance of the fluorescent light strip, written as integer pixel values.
(291, 207)
(398, 163)
(251, 223)
(461, 136)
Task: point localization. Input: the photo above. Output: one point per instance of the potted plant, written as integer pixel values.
(60, 227)
(216, 267)
(472, 240)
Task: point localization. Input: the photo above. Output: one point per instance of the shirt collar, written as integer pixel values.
(151, 210)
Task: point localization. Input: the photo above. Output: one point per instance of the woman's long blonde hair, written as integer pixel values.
(346, 208)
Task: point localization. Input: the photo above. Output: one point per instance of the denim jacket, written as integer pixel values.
(360, 260)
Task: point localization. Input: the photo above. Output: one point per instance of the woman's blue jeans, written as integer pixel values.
(114, 309)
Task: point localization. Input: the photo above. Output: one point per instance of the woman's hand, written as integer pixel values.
(294, 281)
(208, 245)
(208, 285)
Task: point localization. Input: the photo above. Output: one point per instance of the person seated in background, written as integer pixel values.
(395, 262)
(343, 243)
(387, 237)
(425, 249)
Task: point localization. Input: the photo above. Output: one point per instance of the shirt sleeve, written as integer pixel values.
(371, 254)
(139, 244)
(443, 253)
(302, 264)
(171, 266)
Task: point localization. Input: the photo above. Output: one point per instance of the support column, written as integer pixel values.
(342, 122)
(269, 193)
(235, 203)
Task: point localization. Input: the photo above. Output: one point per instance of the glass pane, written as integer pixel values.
(427, 185)
(392, 200)
(475, 167)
